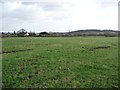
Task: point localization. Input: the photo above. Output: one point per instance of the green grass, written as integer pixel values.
(60, 62)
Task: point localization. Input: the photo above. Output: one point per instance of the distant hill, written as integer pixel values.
(94, 32)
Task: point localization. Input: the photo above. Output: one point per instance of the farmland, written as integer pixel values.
(60, 62)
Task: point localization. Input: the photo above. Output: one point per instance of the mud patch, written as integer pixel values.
(47, 44)
(13, 51)
(41, 44)
(100, 47)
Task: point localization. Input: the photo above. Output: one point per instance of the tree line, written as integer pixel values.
(24, 33)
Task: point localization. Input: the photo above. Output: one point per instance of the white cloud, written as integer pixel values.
(64, 15)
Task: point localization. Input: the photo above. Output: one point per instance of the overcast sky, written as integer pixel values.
(59, 15)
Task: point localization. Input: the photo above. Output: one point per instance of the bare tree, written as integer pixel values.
(21, 32)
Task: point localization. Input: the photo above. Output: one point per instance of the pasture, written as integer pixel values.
(60, 62)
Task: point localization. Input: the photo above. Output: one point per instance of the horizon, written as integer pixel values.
(62, 32)
(62, 16)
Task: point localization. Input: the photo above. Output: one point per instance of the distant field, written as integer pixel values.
(60, 62)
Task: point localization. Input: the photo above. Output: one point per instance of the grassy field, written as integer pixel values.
(60, 62)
